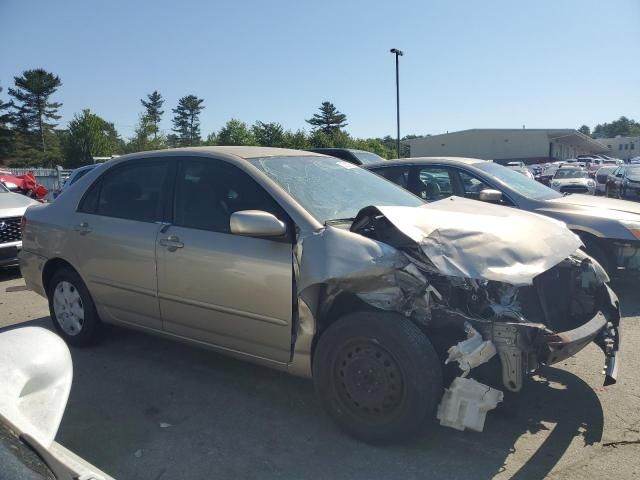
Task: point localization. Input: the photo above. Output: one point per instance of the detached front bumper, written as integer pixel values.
(603, 329)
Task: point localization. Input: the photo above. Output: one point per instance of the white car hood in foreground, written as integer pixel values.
(465, 238)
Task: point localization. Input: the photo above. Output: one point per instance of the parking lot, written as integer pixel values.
(142, 407)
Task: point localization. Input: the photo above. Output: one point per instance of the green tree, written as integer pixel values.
(623, 126)
(142, 140)
(585, 130)
(297, 140)
(186, 120)
(153, 113)
(268, 134)
(329, 119)
(90, 136)
(5, 132)
(336, 139)
(235, 132)
(34, 113)
(211, 140)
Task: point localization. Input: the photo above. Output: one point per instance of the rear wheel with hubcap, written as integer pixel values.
(377, 375)
(72, 310)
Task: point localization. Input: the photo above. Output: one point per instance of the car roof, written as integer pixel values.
(236, 152)
(427, 160)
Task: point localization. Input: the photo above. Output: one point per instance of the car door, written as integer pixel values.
(226, 290)
(114, 240)
(617, 180)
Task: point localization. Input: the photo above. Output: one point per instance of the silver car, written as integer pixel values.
(309, 264)
(573, 180)
(12, 207)
(609, 229)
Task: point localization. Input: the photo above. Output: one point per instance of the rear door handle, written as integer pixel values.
(82, 227)
(172, 243)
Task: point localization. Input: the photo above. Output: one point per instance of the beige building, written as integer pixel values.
(622, 147)
(530, 145)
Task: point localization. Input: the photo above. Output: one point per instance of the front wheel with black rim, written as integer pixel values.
(72, 309)
(377, 375)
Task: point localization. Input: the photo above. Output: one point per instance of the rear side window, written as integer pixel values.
(132, 192)
(398, 175)
(208, 191)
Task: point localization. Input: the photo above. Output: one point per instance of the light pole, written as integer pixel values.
(397, 53)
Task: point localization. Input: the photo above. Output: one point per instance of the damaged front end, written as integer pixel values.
(515, 284)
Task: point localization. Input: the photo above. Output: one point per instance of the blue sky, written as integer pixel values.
(467, 64)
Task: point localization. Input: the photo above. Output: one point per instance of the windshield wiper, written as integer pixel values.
(335, 221)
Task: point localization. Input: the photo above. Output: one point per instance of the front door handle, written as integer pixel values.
(82, 228)
(172, 243)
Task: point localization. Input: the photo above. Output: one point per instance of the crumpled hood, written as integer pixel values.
(603, 203)
(465, 238)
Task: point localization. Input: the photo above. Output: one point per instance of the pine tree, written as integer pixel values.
(153, 113)
(186, 121)
(5, 132)
(329, 119)
(34, 113)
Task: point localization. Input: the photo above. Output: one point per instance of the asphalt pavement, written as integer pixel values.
(142, 407)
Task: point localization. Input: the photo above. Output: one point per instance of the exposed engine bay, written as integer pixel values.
(557, 303)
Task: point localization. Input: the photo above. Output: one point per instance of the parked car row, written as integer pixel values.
(357, 283)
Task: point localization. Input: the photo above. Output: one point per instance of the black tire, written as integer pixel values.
(89, 325)
(378, 376)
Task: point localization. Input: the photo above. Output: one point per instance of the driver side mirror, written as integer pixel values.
(256, 223)
(490, 195)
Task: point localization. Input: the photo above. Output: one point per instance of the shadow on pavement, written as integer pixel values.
(148, 408)
(9, 273)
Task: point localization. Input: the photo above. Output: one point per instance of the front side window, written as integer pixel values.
(522, 185)
(131, 191)
(433, 183)
(472, 186)
(208, 191)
